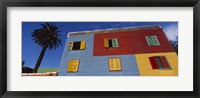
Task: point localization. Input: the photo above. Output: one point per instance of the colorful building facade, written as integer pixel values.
(131, 51)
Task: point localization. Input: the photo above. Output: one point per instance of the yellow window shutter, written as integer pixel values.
(70, 46)
(82, 45)
(111, 64)
(73, 66)
(70, 65)
(106, 42)
(114, 64)
(117, 64)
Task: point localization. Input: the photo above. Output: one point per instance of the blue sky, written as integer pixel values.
(31, 51)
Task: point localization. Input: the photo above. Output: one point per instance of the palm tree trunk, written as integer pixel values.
(37, 65)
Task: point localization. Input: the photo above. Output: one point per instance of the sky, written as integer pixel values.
(52, 58)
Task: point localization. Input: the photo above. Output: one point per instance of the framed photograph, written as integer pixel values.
(131, 48)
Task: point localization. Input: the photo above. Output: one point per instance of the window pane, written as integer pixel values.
(155, 40)
(114, 42)
(76, 45)
(158, 62)
(110, 42)
(149, 41)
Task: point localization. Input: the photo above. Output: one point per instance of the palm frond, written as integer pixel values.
(48, 36)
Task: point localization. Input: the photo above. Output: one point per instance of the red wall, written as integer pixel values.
(131, 42)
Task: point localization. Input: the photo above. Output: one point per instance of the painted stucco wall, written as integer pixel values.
(131, 42)
(145, 67)
(133, 51)
(95, 65)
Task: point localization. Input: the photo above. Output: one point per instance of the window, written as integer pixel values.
(111, 42)
(73, 66)
(152, 40)
(114, 64)
(159, 62)
(80, 45)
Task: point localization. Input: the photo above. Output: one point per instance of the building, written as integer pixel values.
(40, 74)
(130, 51)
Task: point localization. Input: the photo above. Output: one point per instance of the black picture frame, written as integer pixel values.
(100, 3)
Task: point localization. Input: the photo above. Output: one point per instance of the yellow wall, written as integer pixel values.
(145, 67)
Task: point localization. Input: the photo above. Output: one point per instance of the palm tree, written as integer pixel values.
(23, 62)
(47, 37)
(174, 44)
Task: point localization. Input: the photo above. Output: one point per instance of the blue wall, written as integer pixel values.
(90, 65)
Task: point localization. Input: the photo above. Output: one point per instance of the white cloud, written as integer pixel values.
(171, 31)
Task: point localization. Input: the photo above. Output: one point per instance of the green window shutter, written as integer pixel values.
(149, 41)
(114, 42)
(155, 40)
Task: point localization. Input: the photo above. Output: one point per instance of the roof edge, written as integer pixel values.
(112, 30)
